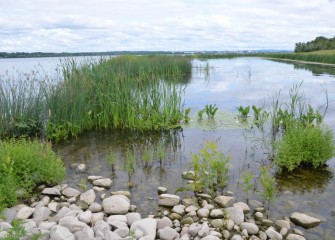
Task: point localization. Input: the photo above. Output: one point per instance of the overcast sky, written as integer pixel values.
(176, 25)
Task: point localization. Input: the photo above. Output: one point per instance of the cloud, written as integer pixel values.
(102, 25)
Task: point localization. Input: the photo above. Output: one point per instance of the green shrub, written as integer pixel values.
(23, 165)
(301, 145)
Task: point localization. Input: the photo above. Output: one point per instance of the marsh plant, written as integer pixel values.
(257, 112)
(130, 163)
(200, 114)
(187, 115)
(248, 185)
(243, 111)
(268, 184)
(111, 158)
(210, 168)
(147, 155)
(211, 110)
(83, 184)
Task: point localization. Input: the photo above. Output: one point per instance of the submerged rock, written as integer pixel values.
(304, 220)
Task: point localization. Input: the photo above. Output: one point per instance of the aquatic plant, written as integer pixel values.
(268, 184)
(130, 163)
(257, 112)
(83, 184)
(247, 182)
(210, 168)
(111, 158)
(211, 110)
(186, 115)
(244, 111)
(147, 155)
(200, 114)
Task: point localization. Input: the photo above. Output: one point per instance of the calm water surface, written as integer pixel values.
(232, 82)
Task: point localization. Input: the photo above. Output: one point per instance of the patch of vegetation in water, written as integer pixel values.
(221, 120)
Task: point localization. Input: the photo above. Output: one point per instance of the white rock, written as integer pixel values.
(70, 192)
(122, 232)
(224, 201)
(117, 224)
(161, 190)
(167, 233)
(132, 217)
(24, 213)
(204, 231)
(244, 206)
(54, 206)
(116, 204)
(210, 237)
(5, 226)
(86, 199)
(216, 213)
(273, 234)
(250, 227)
(97, 217)
(282, 224)
(119, 218)
(92, 178)
(85, 217)
(51, 191)
(103, 182)
(294, 237)
(124, 193)
(147, 226)
(41, 214)
(95, 207)
(237, 237)
(164, 222)
(236, 214)
(304, 220)
(194, 228)
(168, 200)
(46, 225)
(81, 167)
(179, 209)
(217, 223)
(203, 213)
(72, 223)
(61, 233)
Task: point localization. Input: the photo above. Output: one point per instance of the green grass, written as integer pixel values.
(322, 56)
(24, 165)
(125, 92)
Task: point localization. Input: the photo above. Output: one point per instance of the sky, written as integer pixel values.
(170, 25)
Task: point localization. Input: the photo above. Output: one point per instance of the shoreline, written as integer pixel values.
(300, 61)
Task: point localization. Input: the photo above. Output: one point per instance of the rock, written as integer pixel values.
(46, 225)
(250, 227)
(132, 217)
(267, 222)
(224, 201)
(237, 237)
(97, 217)
(210, 237)
(203, 213)
(191, 208)
(92, 178)
(101, 225)
(304, 220)
(103, 182)
(147, 226)
(5, 226)
(179, 209)
(122, 232)
(86, 199)
(229, 224)
(24, 213)
(161, 190)
(282, 224)
(164, 222)
(236, 214)
(61, 233)
(168, 200)
(217, 223)
(167, 233)
(9, 214)
(70, 192)
(54, 206)
(175, 216)
(118, 218)
(262, 235)
(81, 167)
(51, 192)
(273, 234)
(95, 207)
(85, 234)
(116, 204)
(255, 204)
(283, 232)
(244, 206)
(116, 224)
(124, 193)
(226, 234)
(41, 214)
(72, 223)
(204, 230)
(294, 237)
(216, 213)
(189, 175)
(204, 196)
(187, 220)
(85, 217)
(3, 234)
(258, 216)
(194, 228)
(61, 213)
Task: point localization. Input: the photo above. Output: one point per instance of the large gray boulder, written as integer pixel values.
(116, 204)
(24, 213)
(72, 223)
(168, 200)
(224, 201)
(103, 182)
(250, 227)
(61, 233)
(304, 220)
(86, 199)
(70, 192)
(236, 214)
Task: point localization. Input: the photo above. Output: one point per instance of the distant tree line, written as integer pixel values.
(319, 43)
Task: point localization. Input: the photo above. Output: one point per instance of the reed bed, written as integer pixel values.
(323, 56)
(133, 92)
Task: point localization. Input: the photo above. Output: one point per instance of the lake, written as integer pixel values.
(230, 83)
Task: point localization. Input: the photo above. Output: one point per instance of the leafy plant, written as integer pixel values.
(305, 146)
(247, 182)
(244, 111)
(210, 168)
(268, 184)
(211, 110)
(16, 232)
(200, 114)
(186, 115)
(25, 164)
(257, 112)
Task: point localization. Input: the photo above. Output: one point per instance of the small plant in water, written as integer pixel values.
(147, 156)
(268, 184)
(211, 110)
(247, 183)
(186, 115)
(257, 112)
(200, 114)
(83, 184)
(130, 164)
(111, 158)
(244, 111)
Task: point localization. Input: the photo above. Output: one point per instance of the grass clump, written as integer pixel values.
(305, 146)
(24, 165)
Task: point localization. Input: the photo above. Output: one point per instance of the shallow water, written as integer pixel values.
(231, 83)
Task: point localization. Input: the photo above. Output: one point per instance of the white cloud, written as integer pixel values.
(102, 25)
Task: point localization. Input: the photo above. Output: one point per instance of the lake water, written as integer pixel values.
(231, 83)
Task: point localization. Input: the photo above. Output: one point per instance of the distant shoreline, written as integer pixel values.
(300, 61)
